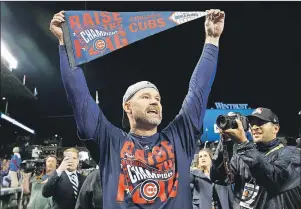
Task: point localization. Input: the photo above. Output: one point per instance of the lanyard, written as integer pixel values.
(274, 149)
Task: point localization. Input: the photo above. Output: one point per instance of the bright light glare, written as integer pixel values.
(13, 63)
(13, 121)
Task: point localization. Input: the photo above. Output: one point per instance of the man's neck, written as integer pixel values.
(49, 172)
(142, 132)
(267, 145)
(267, 141)
(71, 171)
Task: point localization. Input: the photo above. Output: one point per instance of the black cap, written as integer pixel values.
(264, 114)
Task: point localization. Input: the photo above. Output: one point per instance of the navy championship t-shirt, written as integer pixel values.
(136, 171)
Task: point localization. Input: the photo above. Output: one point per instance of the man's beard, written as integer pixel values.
(143, 119)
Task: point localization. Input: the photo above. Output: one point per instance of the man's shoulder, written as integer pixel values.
(95, 173)
(290, 152)
(81, 175)
(117, 133)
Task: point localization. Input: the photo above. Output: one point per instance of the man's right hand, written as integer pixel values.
(56, 26)
(64, 165)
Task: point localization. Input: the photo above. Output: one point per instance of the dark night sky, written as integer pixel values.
(259, 61)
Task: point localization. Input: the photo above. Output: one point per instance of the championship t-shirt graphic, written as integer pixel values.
(147, 174)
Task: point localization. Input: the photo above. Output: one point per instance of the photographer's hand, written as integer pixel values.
(238, 134)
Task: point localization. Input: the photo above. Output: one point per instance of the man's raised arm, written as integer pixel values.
(189, 121)
(85, 109)
(195, 103)
(91, 123)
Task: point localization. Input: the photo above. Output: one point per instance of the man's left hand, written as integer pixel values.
(214, 23)
(238, 134)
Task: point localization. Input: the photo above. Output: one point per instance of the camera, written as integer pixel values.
(35, 166)
(225, 122)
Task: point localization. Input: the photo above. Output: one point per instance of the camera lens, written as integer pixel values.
(222, 122)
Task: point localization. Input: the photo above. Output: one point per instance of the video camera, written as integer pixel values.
(35, 166)
(225, 122)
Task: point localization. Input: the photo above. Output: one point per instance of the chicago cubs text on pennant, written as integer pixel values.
(92, 34)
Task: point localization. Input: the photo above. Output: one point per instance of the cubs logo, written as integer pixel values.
(258, 111)
(94, 36)
(149, 190)
(100, 44)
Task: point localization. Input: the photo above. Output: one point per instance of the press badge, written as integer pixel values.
(249, 195)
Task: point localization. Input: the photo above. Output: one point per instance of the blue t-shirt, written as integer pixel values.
(15, 162)
(144, 172)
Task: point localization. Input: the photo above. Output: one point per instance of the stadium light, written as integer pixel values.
(13, 63)
(13, 121)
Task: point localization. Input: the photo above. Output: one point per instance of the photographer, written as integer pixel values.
(266, 174)
(33, 185)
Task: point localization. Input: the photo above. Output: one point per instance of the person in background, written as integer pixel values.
(4, 173)
(265, 173)
(90, 195)
(206, 194)
(298, 141)
(64, 183)
(14, 167)
(4, 167)
(33, 185)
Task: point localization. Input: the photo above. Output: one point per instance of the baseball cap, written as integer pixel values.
(130, 92)
(264, 114)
